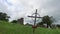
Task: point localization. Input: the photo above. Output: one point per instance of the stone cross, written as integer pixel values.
(34, 26)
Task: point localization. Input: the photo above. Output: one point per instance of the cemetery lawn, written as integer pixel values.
(9, 28)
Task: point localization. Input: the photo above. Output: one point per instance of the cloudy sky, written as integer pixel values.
(22, 8)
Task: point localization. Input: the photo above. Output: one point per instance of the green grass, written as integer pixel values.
(9, 28)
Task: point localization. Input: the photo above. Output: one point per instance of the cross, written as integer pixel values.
(34, 26)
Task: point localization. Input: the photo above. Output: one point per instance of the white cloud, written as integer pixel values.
(22, 8)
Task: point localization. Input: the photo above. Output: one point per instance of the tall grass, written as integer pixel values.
(9, 28)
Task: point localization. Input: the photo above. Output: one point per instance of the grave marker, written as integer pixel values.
(35, 19)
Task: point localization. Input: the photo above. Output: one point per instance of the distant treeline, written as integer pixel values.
(4, 16)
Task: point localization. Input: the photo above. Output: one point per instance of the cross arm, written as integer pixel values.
(31, 16)
(39, 17)
(34, 17)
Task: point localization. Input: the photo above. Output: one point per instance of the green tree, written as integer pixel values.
(47, 20)
(14, 21)
(3, 16)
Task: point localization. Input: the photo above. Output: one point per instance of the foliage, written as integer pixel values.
(40, 23)
(14, 21)
(3, 16)
(47, 20)
(58, 25)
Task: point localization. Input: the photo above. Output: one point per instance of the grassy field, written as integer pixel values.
(9, 28)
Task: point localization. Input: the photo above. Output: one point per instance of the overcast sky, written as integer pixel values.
(21, 8)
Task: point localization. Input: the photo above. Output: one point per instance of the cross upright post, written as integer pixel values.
(34, 26)
(35, 18)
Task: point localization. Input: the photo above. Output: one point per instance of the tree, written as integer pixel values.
(14, 21)
(40, 23)
(47, 20)
(3, 16)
